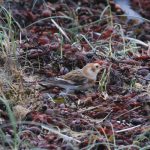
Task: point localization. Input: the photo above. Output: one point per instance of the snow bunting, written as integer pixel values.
(79, 79)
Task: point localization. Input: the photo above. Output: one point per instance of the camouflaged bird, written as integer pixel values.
(79, 79)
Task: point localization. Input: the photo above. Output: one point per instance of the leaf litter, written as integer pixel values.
(57, 37)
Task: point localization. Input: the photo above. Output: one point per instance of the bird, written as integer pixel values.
(78, 79)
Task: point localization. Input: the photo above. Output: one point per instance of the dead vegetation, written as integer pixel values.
(45, 39)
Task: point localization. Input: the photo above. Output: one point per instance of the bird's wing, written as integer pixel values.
(55, 81)
(76, 77)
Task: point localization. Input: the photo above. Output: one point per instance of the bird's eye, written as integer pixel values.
(97, 66)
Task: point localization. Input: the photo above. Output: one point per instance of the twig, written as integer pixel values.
(105, 117)
(127, 112)
(97, 120)
(43, 126)
(67, 138)
(90, 108)
(128, 129)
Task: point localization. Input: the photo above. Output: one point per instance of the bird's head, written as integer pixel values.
(91, 70)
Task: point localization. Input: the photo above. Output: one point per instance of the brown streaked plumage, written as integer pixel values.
(78, 79)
